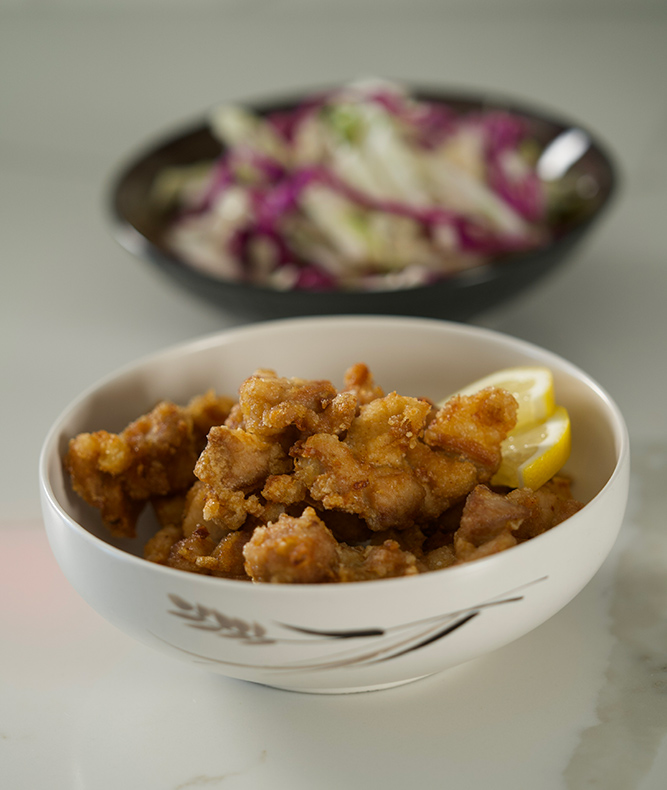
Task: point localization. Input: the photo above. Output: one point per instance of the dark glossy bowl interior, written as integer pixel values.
(140, 228)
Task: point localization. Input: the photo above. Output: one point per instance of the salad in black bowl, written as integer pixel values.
(367, 198)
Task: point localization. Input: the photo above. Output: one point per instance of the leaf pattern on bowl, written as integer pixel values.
(376, 644)
(206, 619)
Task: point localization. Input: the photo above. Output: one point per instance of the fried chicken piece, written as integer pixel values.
(154, 456)
(560, 486)
(169, 511)
(359, 380)
(386, 428)
(430, 552)
(270, 405)
(197, 534)
(292, 550)
(185, 552)
(303, 550)
(383, 561)
(218, 512)
(388, 560)
(206, 411)
(285, 489)
(158, 548)
(233, 464)
(199, 553)
(381, 470)
(95, 463)
(235, 418)
(445, 479)
(467, 552)
(437, 559)
(230, 509)
(227, 560)
(493, 521)
(548, 506)
(193, 508)
(488, 524)
(239, 461)
(163, 450)
(384, 497)
(473, 427)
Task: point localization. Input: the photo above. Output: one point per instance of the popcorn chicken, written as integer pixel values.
(298, 482)
(153, 457)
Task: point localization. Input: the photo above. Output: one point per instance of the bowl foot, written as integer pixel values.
(352, 690)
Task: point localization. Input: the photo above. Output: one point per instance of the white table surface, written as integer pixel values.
(579, 703)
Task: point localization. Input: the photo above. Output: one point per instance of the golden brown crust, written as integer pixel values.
(292, 550)
(227, 558)
(299, 482)
(238, 460)
(270, 405)
(473, 427)
(359, 380)
(153, 457)
(382, 470)
(158, 548)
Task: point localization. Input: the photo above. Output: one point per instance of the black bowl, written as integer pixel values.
(140, 228)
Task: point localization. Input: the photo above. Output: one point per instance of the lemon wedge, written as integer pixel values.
(541, 440)
(532, 386)
(534, 454)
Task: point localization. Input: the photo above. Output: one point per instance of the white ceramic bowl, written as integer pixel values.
(346, 637)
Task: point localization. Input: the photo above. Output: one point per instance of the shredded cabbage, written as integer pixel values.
(362, 187)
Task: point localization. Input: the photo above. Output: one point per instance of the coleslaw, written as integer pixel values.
(362, 187)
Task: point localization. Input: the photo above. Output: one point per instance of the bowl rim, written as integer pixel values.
(134, 241)
(227, 336)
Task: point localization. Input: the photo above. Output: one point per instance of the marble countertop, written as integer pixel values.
(580, 702)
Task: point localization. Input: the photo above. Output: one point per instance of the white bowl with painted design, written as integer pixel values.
(346, 637)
